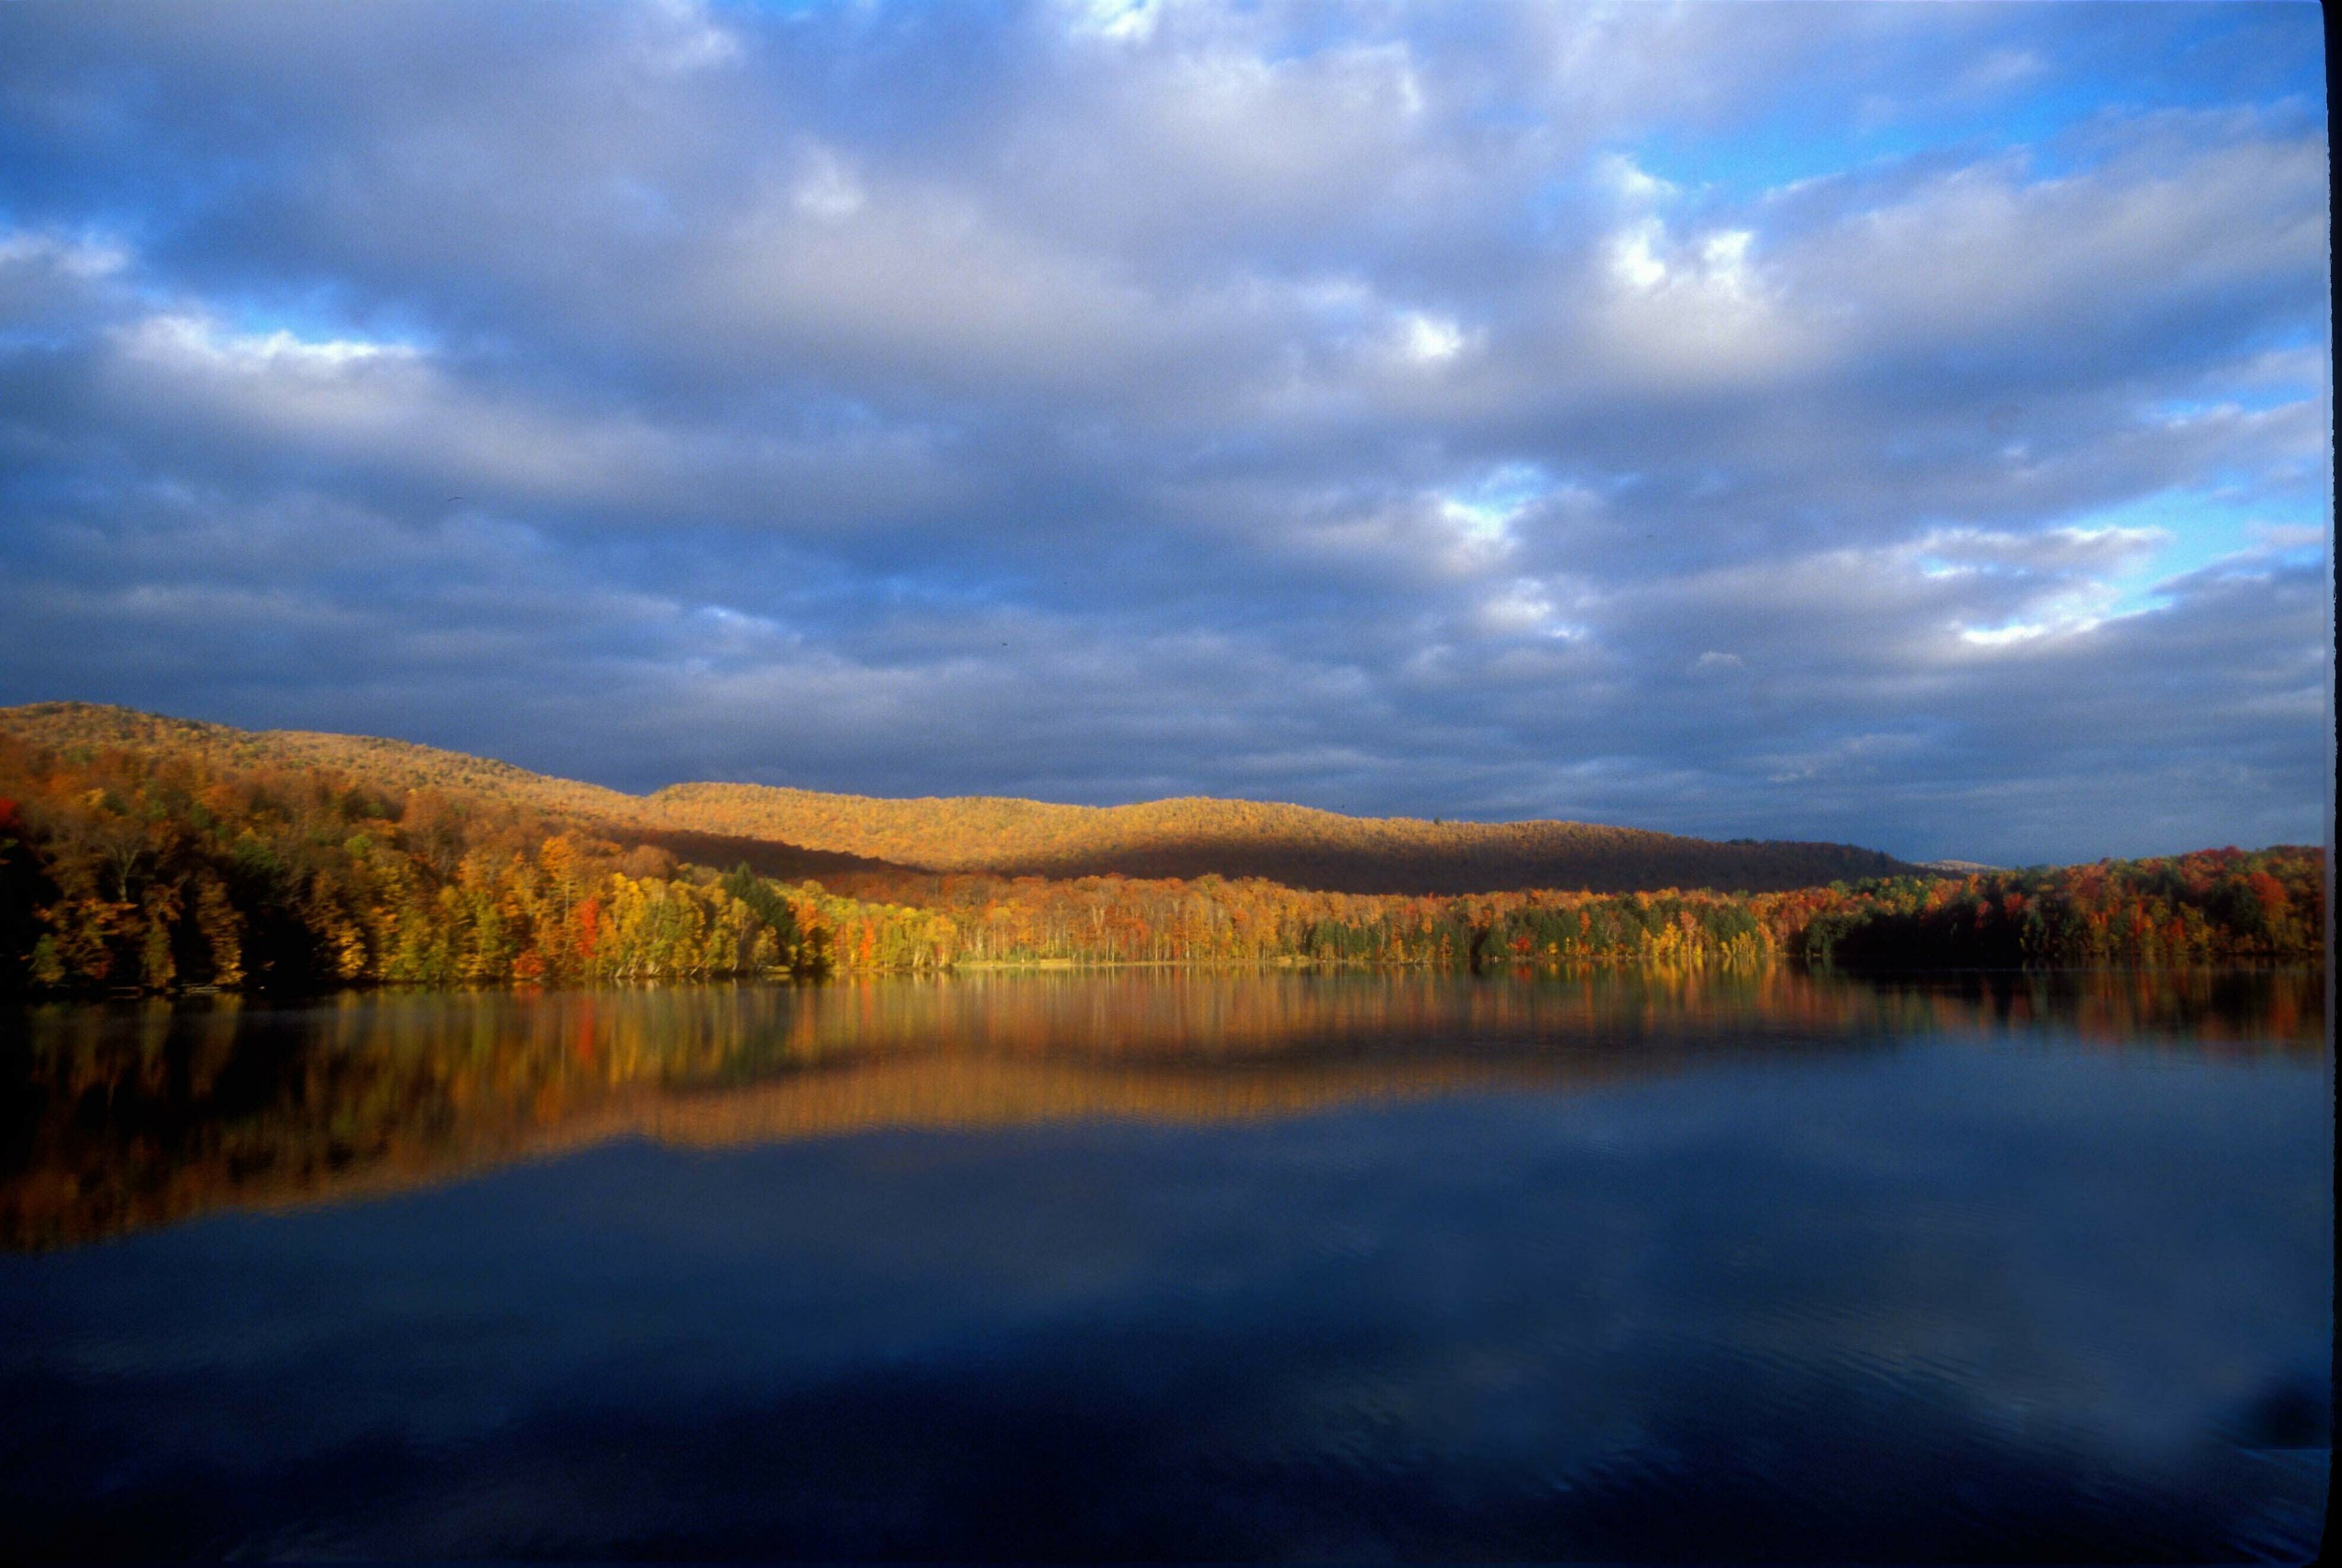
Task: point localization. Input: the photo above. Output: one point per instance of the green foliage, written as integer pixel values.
(764, 901)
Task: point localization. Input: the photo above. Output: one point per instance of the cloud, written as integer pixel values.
(1455, 411)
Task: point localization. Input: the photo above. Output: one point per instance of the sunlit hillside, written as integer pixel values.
(1293, 845)
(799, 832)
(399, 766)
(389, 764)
(141, 854)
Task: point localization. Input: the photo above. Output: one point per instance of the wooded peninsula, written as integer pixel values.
(140, 852)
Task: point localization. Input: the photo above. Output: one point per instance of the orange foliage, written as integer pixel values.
(183, 855)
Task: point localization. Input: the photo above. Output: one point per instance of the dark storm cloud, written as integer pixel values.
(1455, 411)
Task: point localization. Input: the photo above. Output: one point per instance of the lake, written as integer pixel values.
(1176, 1265)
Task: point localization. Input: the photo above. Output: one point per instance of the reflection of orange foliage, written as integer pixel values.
(359, 1093)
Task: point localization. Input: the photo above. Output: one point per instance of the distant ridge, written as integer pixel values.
(1298, 845)
(800, 832)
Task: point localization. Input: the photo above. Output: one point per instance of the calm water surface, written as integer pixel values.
(1184, 1265)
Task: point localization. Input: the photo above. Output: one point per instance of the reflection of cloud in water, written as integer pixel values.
(138, 1116)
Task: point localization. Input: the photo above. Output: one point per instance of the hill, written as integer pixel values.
(148, 855)
(402, 766)
(1293, 845)
(798, 832)
(389, 764)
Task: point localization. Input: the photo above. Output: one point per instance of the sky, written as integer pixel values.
(1899, 425)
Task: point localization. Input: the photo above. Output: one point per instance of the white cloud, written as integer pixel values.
(1629, 183)
(686, 39)
(1429, 339)
(2021, 631)
(1522, 606)
(1483, 512)
(1635, 255)
(192, 339)
(2000, 69)
(828, 190)
(1694, 312)
(84, 258)
(1121, 21)
(1724, 259)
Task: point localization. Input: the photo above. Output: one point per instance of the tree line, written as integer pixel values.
(126, 869)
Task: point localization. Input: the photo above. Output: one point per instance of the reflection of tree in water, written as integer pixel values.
(125, 1116)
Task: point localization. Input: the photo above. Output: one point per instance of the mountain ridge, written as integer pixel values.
(792, 831)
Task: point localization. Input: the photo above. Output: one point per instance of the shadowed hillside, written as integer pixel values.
(1292, 845)
(799, 832)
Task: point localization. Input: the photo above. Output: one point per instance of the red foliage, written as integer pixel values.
(2267, 890)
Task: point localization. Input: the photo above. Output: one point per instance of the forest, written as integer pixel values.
(796, 833)
(167, 866)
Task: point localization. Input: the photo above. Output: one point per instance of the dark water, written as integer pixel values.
(1215, 1266)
